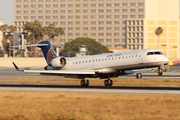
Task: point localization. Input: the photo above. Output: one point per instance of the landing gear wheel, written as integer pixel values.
(108, 83)
(87, 83)
(160, 73)
(138, 75)
(84, 83)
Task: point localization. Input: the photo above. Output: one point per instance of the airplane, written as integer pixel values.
(103, 66)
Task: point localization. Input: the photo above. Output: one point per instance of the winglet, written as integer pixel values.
(16, 67)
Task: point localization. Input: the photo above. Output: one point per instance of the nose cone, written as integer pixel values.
(165, 59)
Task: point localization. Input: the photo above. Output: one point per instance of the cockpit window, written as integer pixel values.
(150, 53)
(157, 53)
(154, 53)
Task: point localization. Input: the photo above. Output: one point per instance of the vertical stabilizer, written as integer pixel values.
(48, 51)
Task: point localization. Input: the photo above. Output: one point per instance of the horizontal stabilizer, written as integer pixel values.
(137, 71)
(32, 45)
(62, 71)
(16, 67)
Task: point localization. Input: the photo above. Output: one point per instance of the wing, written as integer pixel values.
(62, 72)
(137, 71)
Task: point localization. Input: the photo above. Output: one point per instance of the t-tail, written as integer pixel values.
(46, 48)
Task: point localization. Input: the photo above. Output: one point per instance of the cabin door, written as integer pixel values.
(92, 63)
(140, 58)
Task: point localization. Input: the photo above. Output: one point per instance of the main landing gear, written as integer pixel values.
(85, 82)
(159, 71)
(138, 75)
(108, 82)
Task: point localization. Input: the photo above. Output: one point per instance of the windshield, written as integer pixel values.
(154, 53)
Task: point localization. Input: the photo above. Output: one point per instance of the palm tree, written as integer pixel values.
(4, 28)
(51, 28)
(158, 32)
(59, 31)
(34, 28)
(45, 31)
(12, 29)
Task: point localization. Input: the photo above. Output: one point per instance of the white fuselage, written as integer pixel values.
(114, 62)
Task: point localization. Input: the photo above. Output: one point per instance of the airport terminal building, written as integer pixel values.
(115, 23)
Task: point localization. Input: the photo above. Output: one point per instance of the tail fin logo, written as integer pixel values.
(51, 55)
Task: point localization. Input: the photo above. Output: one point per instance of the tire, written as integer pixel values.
(106, 83)
(160, 73)
(82, 82)
(111, 83)
(87, 83)
(138, 75)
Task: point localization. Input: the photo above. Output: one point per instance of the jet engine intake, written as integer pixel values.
(58, 62)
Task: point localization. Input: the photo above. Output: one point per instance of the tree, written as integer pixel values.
(52, 31)
(33, 28)
(11, 29)
(4, 29)
(37, 32)
(91, 44)
(158, 32)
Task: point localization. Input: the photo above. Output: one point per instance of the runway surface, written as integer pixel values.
(157, 90)
(165, 90)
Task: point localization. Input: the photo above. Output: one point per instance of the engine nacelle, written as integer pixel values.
(58, 62)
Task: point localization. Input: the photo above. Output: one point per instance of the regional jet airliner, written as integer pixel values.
(103, 66)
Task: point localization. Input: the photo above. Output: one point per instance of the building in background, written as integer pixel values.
(127, 24)
(164, 14)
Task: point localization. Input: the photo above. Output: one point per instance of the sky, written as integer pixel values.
(7, 11)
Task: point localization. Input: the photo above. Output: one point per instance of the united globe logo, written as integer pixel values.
(51, 55)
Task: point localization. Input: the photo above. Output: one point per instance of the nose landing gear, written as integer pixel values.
(138, 75)
(159, 71)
